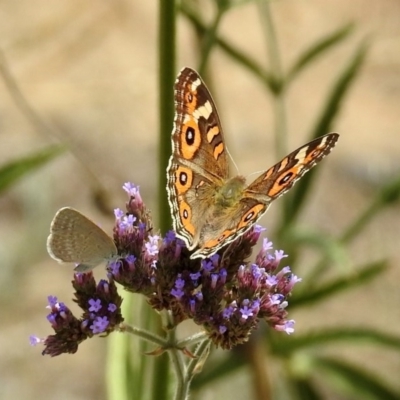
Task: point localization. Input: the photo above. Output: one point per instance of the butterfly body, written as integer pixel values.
(209, 208)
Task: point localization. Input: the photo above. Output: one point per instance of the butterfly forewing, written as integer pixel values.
(197, 143)
(283, 175)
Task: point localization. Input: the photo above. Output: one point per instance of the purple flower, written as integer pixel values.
(169, 237)
(214, 280)
(207, 265)
(279, 254)
(199, 296)
(287, 326)
(52, 300)
(246, 311)
(228, 311)
(95, 305)
(114, 267)
(222, 329)
(126, 223)
(179, 283)
(152, 245)
(223, 274)
(215, 259)
(192, 304)
(99, 325)
(271, 280)
(293, 279)
(119, 214)
(195, 276)
(276, 298)
(131, 189)
(178, 293)
(267, 245)
(259, 228)
(34, 340)
(112, 307)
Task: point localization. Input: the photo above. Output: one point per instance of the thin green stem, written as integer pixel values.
(118, 353)
(174, 354)
(195, 365)
(387, 195)
(201, 354)
(178, 367)
(279, 107)
(146, 335)
(166, 36)
(246, 61)
(197, 337)
(276, 68)
(166, 50)
(51, 132)
(209, 39)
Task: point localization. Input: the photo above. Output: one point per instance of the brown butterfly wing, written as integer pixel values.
(235, 221)
(198, 164)
(226, 226)
(282, 176)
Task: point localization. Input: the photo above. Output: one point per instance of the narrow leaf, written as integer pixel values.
(15, 170)
(284, 346)
(239, 56)
(323, 125)
(218, 369)
(318, 49)
(386, 196)
(335, 286)
(356, 381)
(304, 389)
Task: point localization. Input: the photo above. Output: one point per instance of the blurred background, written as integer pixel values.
(89, 70)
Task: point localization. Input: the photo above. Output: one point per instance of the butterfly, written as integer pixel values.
(209, 208)
(75, 238)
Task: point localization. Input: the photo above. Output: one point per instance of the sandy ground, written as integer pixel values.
(90, 71)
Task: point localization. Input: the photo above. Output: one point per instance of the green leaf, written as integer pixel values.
(284, 346)
(218, 369)
(330, 249)
(15, 170)
(304, 389)
(323, 125)
(355, 381)
(386, 196)
(325, 291)
(317, 49)
(274, 84)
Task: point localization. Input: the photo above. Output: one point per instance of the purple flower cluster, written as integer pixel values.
(225, 294)
(225, 298)
(101, 307)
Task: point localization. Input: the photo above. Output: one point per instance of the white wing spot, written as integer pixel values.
(203, 111)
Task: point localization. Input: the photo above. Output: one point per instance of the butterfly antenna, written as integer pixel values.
(233, 161)
(261, 171)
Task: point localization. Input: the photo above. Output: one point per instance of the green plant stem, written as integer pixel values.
(117, 358)
(166, 42)
(146, 335)
(166, 69)
(386, 196)
(195, 365)
(197, 337)
(174, 355)
(276, 70)
(250, 64)
(209, 39)
(44, 128)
